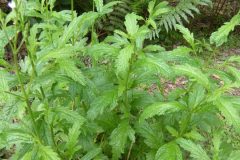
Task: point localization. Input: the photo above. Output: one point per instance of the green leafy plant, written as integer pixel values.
(197, 47)
(220, 36)
(75, 98)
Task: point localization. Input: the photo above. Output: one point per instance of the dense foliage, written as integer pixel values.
(66, 94)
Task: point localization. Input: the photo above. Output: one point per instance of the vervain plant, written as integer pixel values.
(55, 105)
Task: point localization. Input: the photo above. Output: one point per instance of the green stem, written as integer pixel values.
(15, 49)
(22, 87)
(35, 71)
(72, 12)
(130, 150)
(126, 101)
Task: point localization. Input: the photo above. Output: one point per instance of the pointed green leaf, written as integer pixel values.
(99, 5)
(47, 153)
(160, 108)
(123, 60)
(72, 140)
(131, 21)
(196, 151)
(100, 104)
(72, 71)
(91, 154)
(79, 25)
(220, 36)
(196, 96)
(119, 138)
(194, 73)
(169, 151)
(188, 36)
(229, 112)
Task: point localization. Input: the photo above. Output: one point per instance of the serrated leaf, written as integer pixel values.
(68, 66)
(160, 9)
(193, 134)
(119, 137)
(91, 154)
(169, 151)
(220, 36)
(69, 115)
(161, 66)
(229, 112)
(235, 72)
(47, 153)
(188, 36)
(108, 7)
(99, 105)
(160, 108)
(4, 97)
(172, 131)
(194, 73)
(78, 25)
(99, 5)
(10, 31)
(72, 140)
(131, 21)
(59, 53)
(123, 60)
(196, 96)
(153, 138)
(196, 151)
(101, 50)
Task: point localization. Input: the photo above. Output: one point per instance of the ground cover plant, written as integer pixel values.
(65, 93)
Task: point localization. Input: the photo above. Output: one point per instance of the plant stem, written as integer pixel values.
(72, 8)
(14, 50)
(130, 150)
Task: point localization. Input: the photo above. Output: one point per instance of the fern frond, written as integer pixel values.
(114, 20)
(177, 15)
